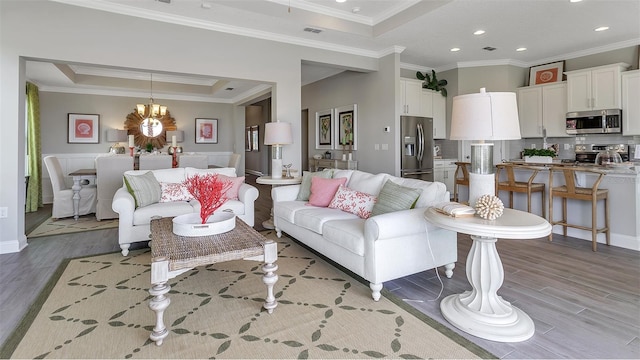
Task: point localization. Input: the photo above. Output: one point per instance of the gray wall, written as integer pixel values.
(113, 111)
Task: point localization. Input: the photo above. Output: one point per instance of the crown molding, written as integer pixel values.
(587, 52)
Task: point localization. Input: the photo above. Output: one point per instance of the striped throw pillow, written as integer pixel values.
(393, 197)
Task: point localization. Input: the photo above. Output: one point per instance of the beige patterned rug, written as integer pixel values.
(97, 307)
(70, 225)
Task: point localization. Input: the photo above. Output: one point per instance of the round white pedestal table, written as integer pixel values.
(481, 311)
(268, 180)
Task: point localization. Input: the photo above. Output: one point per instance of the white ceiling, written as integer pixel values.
(551, 30)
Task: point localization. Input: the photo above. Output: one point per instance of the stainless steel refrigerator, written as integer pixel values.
(417, 147)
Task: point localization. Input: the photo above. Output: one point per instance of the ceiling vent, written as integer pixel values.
(312, 30)
(165, 1)
(488, 48)
(229, 88)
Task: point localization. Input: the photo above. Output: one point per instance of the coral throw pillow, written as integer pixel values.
(323, 190)
(353, 201)
(174, 192)
(232, 192)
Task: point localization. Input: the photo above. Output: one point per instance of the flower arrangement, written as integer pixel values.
(209, 191)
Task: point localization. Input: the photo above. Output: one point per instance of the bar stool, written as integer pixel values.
(571, 191)
(527, 187)
(461, 177)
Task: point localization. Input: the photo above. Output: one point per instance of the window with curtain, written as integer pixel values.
(34, 150)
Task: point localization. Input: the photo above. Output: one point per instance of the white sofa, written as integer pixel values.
(381, 248)
(134, 222)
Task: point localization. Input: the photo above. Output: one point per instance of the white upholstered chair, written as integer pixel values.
(63, 195)
(109, 172)
(193, 160)
(234, 160)
(154, 162)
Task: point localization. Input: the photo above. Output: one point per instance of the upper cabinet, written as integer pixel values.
(595, 88)
(417, 101)
(410, 93)
(542, 107)
(631, 102)
(439, 116)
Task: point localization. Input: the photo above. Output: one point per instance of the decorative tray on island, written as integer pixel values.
(191, 224)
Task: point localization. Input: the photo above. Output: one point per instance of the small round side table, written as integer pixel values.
(268, 180)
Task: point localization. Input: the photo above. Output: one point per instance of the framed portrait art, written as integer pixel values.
(247, 138)
(546, 74)
(83, 129)
(347, 125)
(324, 129)
(206, 131)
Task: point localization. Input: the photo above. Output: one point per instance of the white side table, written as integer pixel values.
(481, 312)
(268, 180)
(78, 176)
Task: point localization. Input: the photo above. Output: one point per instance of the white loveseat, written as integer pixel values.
(134, 222)
(381, 248)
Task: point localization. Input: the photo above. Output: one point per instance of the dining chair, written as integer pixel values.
(63, 195)
(512, 185)
(572, 190)
(153, 162)
(234, 161)
(194, 161)
(109, 172)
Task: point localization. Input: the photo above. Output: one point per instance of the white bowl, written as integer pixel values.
(191, 224)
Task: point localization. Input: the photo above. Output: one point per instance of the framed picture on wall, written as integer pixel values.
(546, 74)
(347, 125)
(255, 136)
(83, 128)
(206, 131)
(324, 129)
(247, 138)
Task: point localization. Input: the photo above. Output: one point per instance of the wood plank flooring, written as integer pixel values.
(583, 304)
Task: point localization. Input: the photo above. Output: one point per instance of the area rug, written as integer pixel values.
(70, 225)
(97, 307)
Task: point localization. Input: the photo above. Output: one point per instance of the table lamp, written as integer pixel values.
(277, 134)
(480, 117)
(116, 136)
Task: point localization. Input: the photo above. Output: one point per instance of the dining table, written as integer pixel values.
(78, 177)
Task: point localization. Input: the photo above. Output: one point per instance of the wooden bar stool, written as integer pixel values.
(527, 187)
(571, 191)
(461, 177)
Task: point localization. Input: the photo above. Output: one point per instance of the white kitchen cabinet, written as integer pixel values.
(631, 102)
(439, 116)
(410, 94)
(595, 88)
(444, 171)
(542, 107)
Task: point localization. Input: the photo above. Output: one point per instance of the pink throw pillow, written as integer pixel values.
(323, 190)
(232, 192)
(174, 192)
(353, 201)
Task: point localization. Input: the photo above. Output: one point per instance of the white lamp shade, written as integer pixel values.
(115, 135)
(277, 133)
(485, 116)
(179, 134)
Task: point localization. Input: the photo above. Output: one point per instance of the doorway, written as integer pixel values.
(304, 139)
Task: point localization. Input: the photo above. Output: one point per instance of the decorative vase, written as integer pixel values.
(191, 224)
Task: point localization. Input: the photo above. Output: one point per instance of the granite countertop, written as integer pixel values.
(628, 168)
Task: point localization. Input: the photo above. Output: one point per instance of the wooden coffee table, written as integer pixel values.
(173, 255)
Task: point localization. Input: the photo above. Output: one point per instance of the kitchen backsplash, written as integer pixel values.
(449, 148)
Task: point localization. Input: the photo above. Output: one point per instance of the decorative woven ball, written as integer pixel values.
(489, 207)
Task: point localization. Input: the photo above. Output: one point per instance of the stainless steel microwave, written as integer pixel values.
(595, 122)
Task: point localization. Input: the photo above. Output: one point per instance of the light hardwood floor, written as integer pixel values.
(584, 304)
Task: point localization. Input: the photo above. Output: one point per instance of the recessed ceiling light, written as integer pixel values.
(601, 28)
(478, 32)
(575, 0)
(521, 49)
(454, 49)
(340, 1)
(355, 10)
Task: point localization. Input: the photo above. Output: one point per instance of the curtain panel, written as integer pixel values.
(34, 150)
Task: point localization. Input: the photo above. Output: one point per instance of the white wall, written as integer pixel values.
(70, 34)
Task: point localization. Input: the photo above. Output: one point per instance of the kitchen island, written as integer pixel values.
(623, 183)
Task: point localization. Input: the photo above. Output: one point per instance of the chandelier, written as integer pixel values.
(151, 114)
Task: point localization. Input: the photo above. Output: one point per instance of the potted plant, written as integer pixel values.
(432, 83)
(539, 155)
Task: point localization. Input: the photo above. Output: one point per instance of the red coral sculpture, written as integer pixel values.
(209, 191)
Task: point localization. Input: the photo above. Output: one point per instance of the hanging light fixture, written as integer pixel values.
(151, 114)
